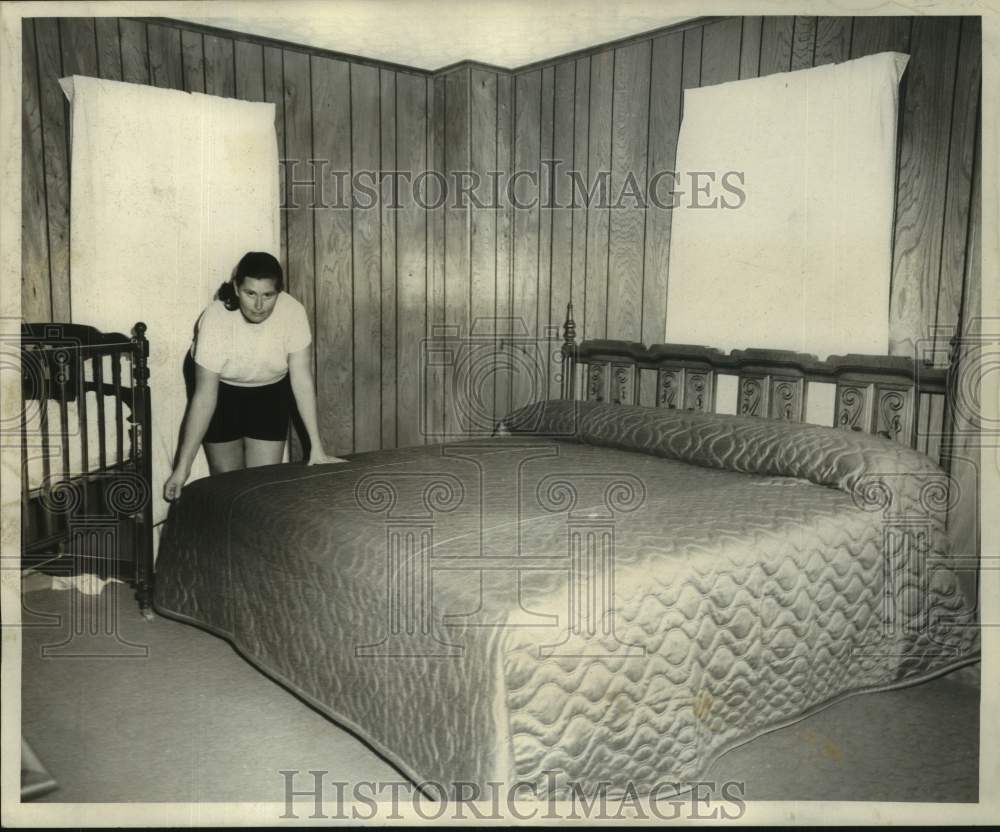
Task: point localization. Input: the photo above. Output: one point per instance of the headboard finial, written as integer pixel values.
(569, 326)
(569, 354)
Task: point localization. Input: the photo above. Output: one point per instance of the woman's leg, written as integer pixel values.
(225, 456)
(263, 451)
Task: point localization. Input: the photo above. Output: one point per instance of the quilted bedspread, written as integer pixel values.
(603, 594)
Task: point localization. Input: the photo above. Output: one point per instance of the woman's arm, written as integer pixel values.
(199, 415)
(300, 372)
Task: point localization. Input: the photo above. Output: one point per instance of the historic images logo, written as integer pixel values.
(365, 800)
(313, 184)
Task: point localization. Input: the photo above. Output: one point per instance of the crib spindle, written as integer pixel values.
(97, 362)
(81, 413)
(116, 380)
(62, 377)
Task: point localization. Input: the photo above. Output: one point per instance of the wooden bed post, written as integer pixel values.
(141, 446)
(569, 355)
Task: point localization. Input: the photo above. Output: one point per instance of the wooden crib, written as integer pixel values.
(86, 465)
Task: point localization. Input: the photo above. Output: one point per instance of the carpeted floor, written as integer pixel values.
(166, 712)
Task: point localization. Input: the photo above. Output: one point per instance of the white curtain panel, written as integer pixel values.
(805, 262)
(168, 190)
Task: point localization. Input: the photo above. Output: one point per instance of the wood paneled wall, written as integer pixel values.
(625, 116)
(361, 273)
(615, 113)
(377, 282)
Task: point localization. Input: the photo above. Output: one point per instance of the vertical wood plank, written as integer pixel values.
(165, 57)
(79, 46)
(483, 241)
(79, 57)
(580, 212)
(693, 39)
(434, 393)
(833, 40)
(972, 294)
(626, 243)
(274, 91)
(543, 314)
(803, 42)
(921, 181)
(456, 235)
(664, 126)
(957, 195)
(527, 136)
(776, 44)
(299, 182)
(388, 244)
(135, 51)
(109, 50)
(595, 321)
(36, 304)
(750, 47)
(963, 446)
(720, 51)
(334, 332)
(367, 258)
(871, 35)
(300, 194)
(55, 144)
(193, 54)
(219, 72)
(411, 236)
(249, 77)
(562, 215)
(504, 254)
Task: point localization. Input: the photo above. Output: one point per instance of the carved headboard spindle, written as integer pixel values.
(670, 387)
(878, 394)
(853, 408)
(894, 413)
(787, 398)
(753, 395)
(699, 390)
(597, 381)
(623, 383)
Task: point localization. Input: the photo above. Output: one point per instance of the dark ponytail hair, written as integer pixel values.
(257, 264)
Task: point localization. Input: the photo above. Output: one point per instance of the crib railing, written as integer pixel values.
(86, 467)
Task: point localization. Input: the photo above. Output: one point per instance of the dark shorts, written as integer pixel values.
(252, 412)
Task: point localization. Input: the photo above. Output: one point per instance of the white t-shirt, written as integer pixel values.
(246, 354)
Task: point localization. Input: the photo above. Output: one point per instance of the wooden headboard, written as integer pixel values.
(885, 395)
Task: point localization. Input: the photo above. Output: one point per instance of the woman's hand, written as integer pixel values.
(317, 456)
(172, 488)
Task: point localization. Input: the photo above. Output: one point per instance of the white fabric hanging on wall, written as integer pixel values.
(805, 263)
(169, 189)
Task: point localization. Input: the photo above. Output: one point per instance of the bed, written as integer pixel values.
(603, 594)
(85, 481)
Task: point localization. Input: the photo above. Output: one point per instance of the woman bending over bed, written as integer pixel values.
(251, 351)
